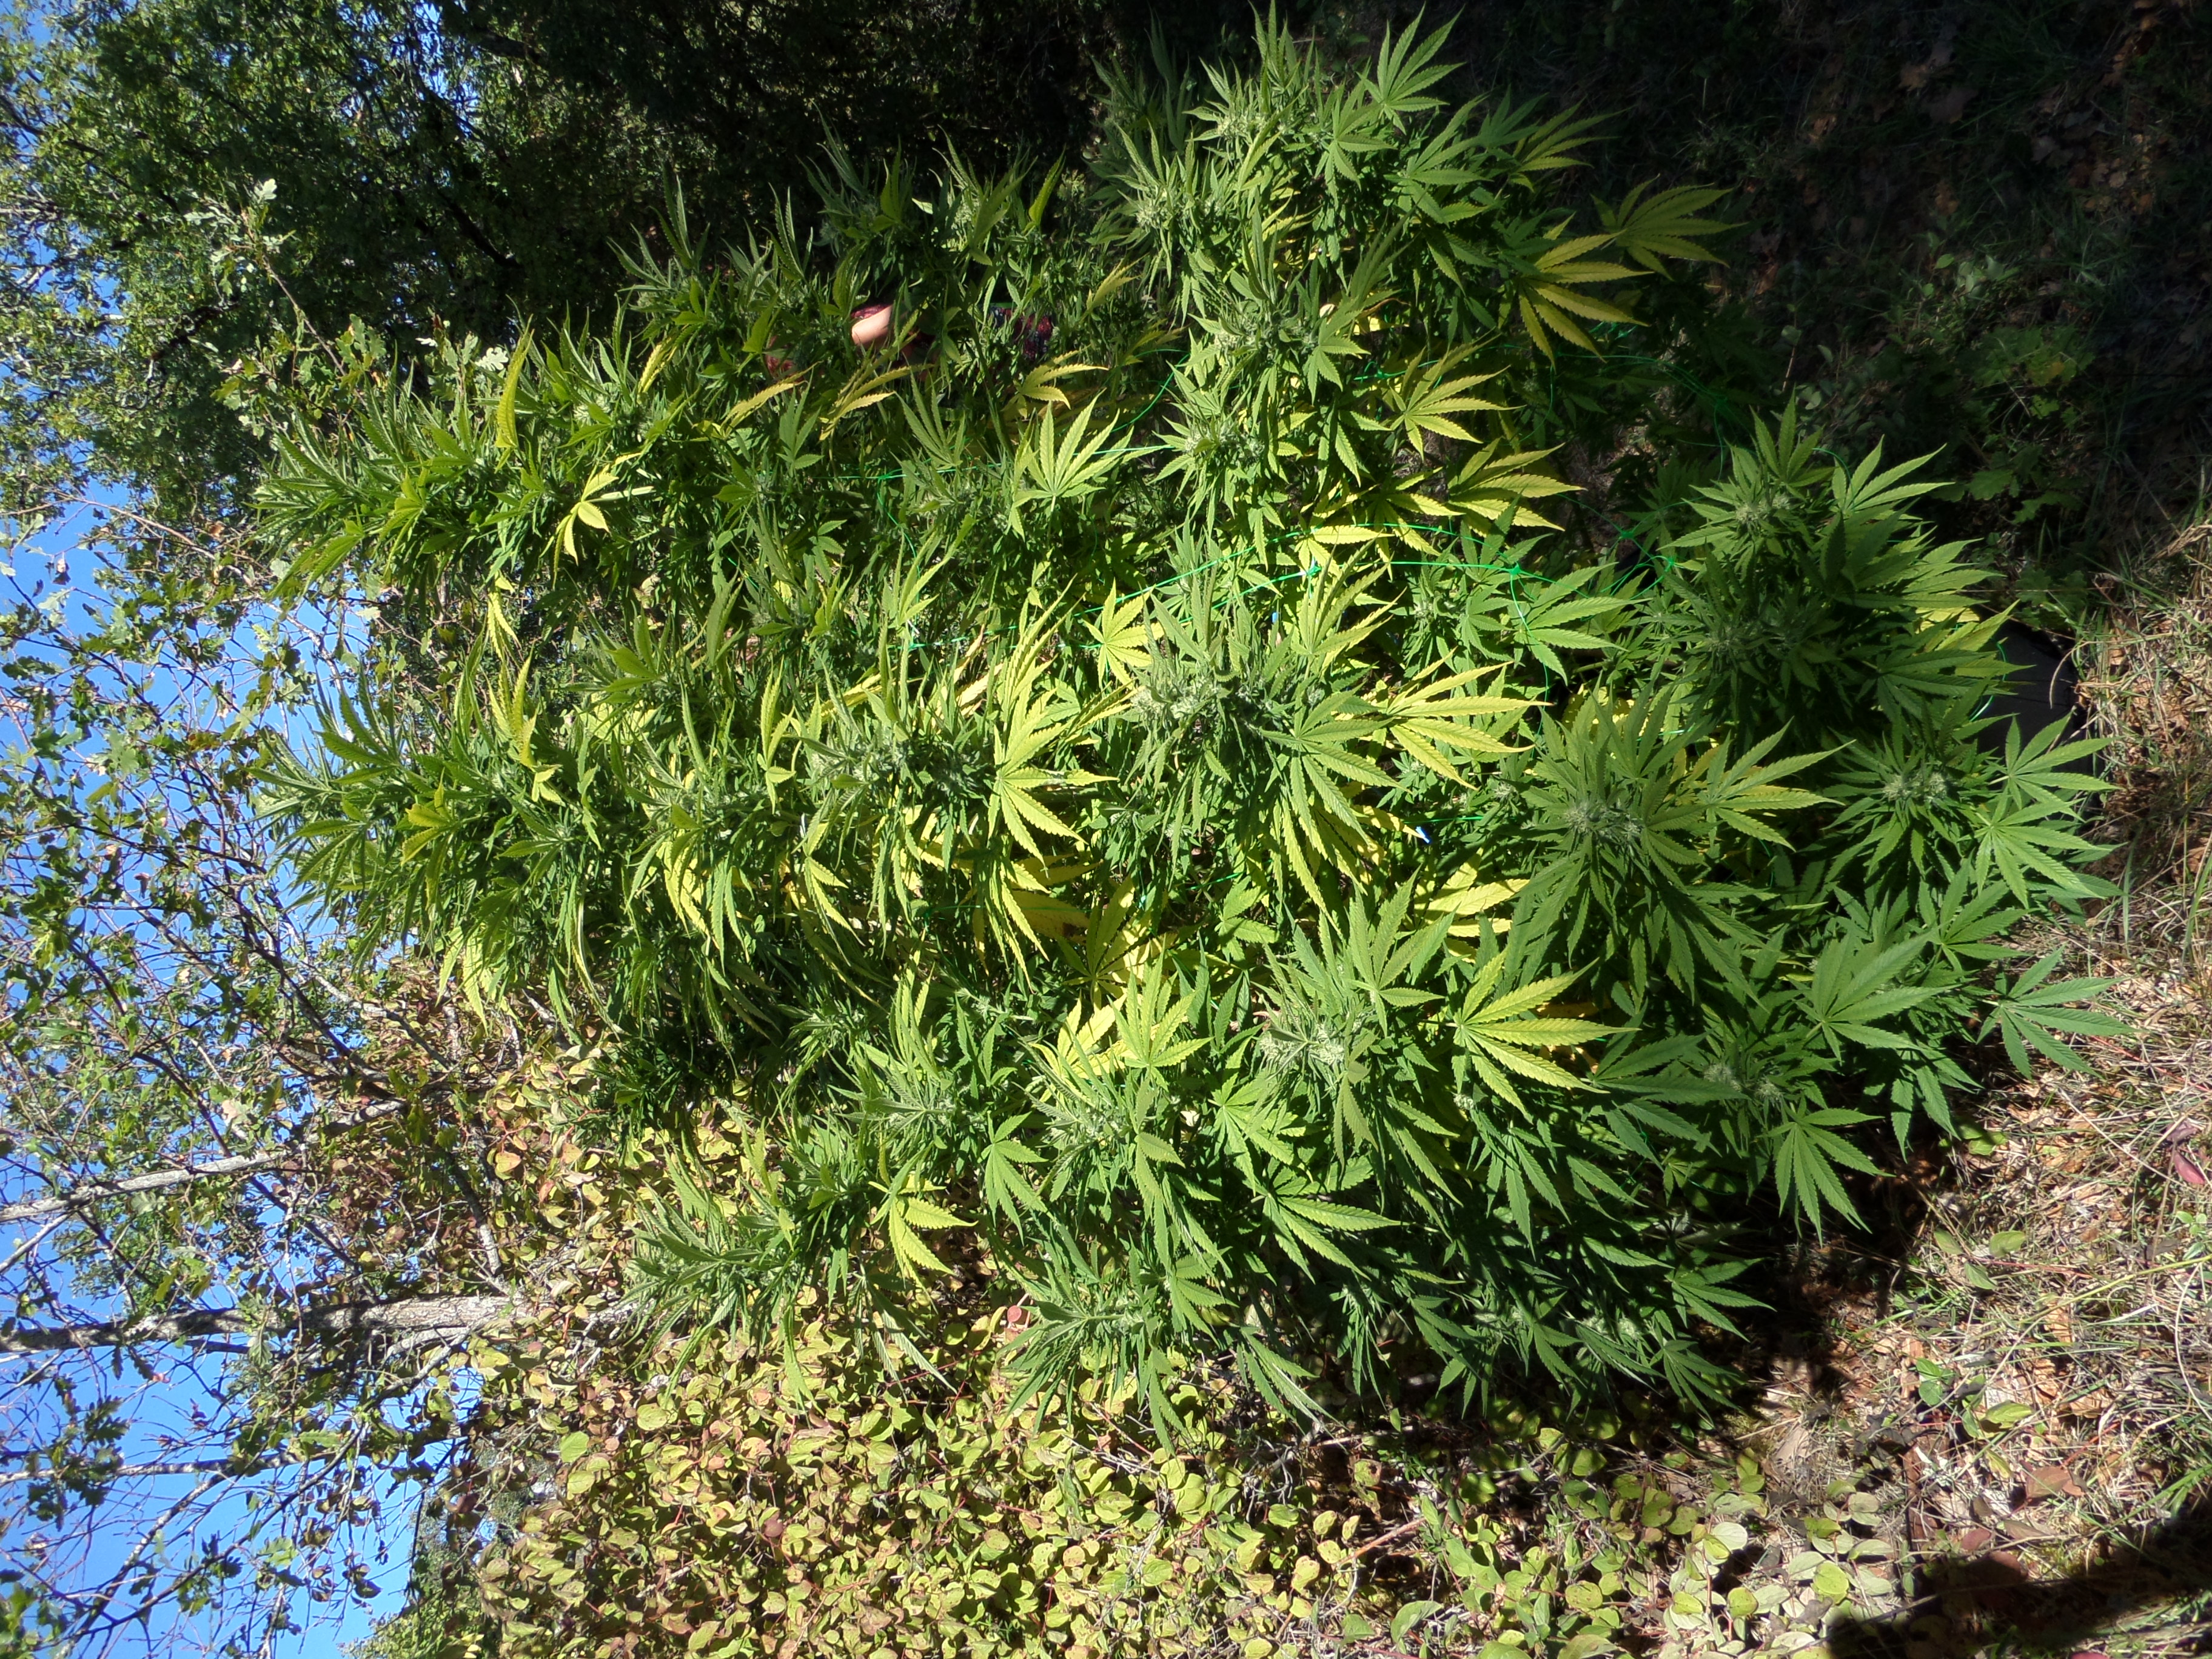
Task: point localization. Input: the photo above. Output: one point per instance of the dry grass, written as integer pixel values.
(2027, 1394)
(2148, 679)
(2061, 1279)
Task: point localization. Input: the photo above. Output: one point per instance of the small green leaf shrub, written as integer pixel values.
(1122, 780)
(743, 1501)
(725, 1499)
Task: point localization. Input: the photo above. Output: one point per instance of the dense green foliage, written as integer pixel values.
(1164, 811)
(1973, 229)
(228, 208)
(725, 1499)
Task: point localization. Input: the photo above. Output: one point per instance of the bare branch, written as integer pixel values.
(406, 1318)
(143, 1471)
(161, 1180)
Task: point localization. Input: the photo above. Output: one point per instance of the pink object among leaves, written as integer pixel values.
(872, 325)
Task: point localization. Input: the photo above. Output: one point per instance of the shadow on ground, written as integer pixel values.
(1992, 1600)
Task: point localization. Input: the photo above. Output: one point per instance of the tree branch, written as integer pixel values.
(141, 1471)
(409, 1318)
(160, 1180)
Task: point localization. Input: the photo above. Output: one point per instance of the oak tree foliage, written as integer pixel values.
(223, 209)
(248, 1227)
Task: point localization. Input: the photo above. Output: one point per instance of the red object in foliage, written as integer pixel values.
(872, 325)
(2186, 1167)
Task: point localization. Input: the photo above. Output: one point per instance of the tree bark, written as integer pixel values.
(155, 1181)
(409, 1317)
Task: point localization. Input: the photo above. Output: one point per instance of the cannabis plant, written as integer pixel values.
(1120, 783)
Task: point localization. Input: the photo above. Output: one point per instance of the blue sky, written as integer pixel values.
(57, 568)
(58, 563)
